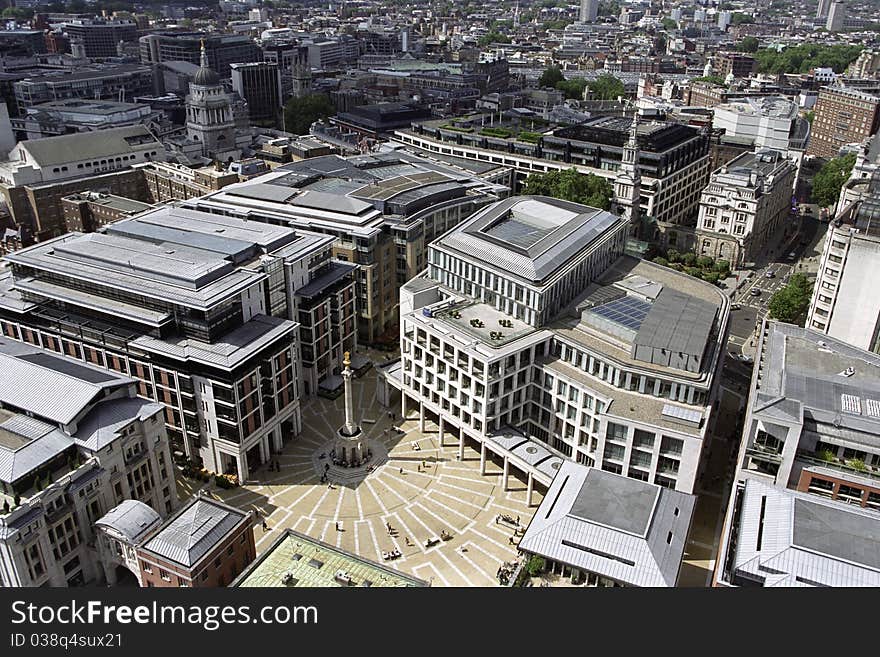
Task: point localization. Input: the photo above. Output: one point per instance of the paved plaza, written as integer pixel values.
(446, 495)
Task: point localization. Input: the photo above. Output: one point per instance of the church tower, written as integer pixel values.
(628, 183)
(209, 117)
(302, 77)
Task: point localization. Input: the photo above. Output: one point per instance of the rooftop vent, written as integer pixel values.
(848, 372)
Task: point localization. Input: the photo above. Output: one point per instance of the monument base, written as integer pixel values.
(350, 451)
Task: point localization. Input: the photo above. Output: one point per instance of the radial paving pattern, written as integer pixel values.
(447, 494)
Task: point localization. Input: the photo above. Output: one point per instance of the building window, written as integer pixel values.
(164, 575)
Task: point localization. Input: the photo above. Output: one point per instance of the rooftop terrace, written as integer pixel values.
(295, 560)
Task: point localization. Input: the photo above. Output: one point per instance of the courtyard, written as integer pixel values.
(420, 488)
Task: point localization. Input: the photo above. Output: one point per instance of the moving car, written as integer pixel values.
(755, 292)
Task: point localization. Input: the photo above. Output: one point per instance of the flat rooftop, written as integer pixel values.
(177, 255)
(530, 237)
(618, 502)
(638, 310)
(487, 323)
(357, 191)
(812, 371)
(295, 560)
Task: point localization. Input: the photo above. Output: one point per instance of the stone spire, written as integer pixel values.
(628, 183)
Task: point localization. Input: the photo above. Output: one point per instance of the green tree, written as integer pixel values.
(301, 113)
(740, 18)
(535, 565)
(18, 13)
(713, 79)
(809, 115)
(573, 88)
(830, 178)
(669, 24)
(689, 259)
(493, 37)
(791, 302)
(555, 25)
(606, 87)
(551, 77)
(572, 186)
(748, 44)
(660, 260)
(802, 58)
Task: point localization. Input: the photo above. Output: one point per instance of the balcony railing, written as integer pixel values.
(809, 457)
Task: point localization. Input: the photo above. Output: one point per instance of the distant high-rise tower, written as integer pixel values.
(589, 11)
(822, 9)
(836, 16)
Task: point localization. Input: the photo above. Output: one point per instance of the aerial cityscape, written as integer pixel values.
(401, 293)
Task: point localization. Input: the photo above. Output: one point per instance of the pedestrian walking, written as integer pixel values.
(265, 526)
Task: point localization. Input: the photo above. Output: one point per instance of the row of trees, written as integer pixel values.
(570, 185)
(790, 303)
(605, 87)
(802, 58)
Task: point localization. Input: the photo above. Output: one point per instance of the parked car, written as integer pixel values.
(769, 274)
(755, 292)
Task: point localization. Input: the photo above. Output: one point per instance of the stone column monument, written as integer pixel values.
(349, 448)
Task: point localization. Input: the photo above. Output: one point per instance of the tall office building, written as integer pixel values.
(822, 8)
(843, 115)
(836, 17)
(533, 336)
(259, 83)
(589, 11)
(222, 50)
(99, 38)
(845, 304)
(803, 506)
(196, 309)
(382, 210)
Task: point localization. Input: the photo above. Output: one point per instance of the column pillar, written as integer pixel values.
(441, 430)
(422, 417)
(461, 445)
(506, 473)
(241, 465)
(482, 458)
(529, 488)
(402, 404)
(264, 449)
(278, 439)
